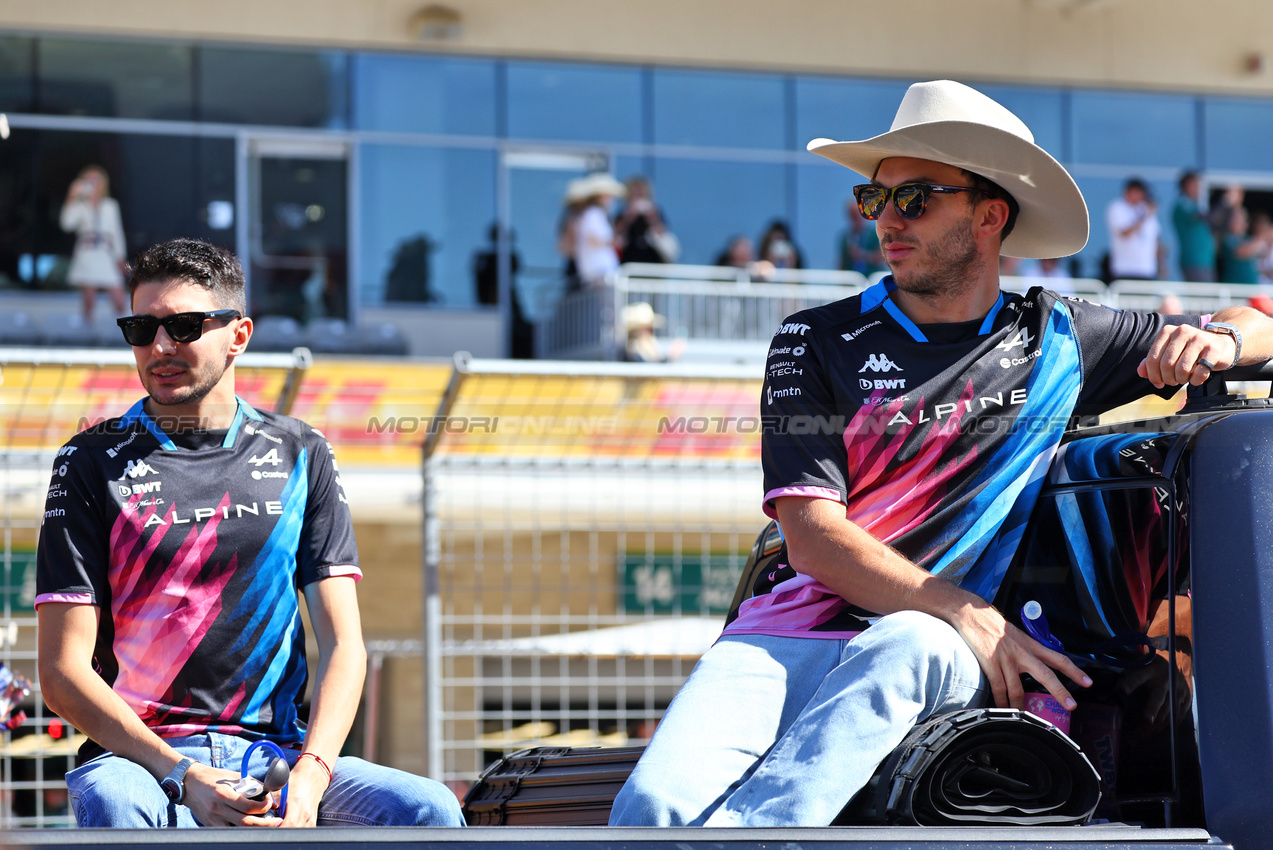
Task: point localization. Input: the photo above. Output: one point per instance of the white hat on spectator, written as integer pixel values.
(950, 123)
(640, 315)
(594, 185)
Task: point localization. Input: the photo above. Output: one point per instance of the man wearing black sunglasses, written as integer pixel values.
(174, 544)
(907, 432)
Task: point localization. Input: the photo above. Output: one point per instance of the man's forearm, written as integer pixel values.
(337, 692)
(865, 572)
(83, 699)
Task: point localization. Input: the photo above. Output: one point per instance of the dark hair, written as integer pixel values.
(1186, 177)
(193, 261)
(1137, 183)
(991, 189)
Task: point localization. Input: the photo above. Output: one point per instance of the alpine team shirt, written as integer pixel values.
(194, 547)
(935, 438)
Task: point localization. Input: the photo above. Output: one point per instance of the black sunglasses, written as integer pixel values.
(909, 199)
(181, 327)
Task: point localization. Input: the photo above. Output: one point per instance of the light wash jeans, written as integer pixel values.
(783, 731)
(110, 791)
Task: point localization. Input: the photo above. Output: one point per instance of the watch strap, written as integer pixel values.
(174, 783)
(1231, 331)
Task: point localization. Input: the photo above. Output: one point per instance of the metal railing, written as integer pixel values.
(720, 310)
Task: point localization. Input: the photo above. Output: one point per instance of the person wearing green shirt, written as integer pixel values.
(1193, 232)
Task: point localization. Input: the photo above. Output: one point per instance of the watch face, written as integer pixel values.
(172, 789)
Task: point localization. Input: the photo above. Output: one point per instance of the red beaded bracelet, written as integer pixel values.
(316, 757)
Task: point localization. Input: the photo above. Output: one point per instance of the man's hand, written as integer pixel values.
(304, 792)
(1005, 652)
(211, 798)
(1176, 355)
(823, 544)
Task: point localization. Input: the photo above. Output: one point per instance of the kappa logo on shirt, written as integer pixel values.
(879, 363)
(136, 469)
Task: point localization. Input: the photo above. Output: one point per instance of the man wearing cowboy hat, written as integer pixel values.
(899, 527)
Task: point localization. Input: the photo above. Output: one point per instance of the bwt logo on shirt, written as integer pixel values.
(137, 489)
(882, 384)
(793, 328)
(879, 363)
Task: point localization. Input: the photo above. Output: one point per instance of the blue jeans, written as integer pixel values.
(111, 791)
(783, 731)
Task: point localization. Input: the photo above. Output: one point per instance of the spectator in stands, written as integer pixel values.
(639, 321)
(596, 256)
(1171, 305)
(1262, 302)
(641, 230)
(98, 258)
(1133, 233)
(738, 254)
(859, 243)
(567, 230)
(1232, 200)
(1263, 230)
(486, 284)
(1241, 251)
(1193, 231)
(778, 248)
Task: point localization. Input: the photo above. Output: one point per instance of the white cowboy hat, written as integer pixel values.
(950, 123)
(640, 315)
(598, 183)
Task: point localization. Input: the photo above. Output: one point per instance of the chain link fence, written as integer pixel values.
(585, 527)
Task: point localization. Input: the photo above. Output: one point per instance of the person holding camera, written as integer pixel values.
(98, 259)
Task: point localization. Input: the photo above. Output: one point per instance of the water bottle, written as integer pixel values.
(14, 688)
(1038, 701)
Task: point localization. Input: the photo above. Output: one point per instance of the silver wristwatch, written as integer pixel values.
(1230, 330)
(174, 783)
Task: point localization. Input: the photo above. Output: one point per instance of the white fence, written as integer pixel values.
(726, 314)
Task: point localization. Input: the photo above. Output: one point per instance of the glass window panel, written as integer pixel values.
(719, 109)
(416, 94)
(445, 197)
(1124, 128)
(709, 202)
(284, 88)
(822, 191)
(1041, 109)
(1234, 131)
(1099, 193)
(162, 183)
(593, 103)
(845, 110)
(17, 76)
(116, 79)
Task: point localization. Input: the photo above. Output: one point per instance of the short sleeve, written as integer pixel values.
(802, 443)
(73, 557)
(1112, 344)
(327, 546)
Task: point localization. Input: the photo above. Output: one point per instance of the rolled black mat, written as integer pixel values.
(988, 766)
